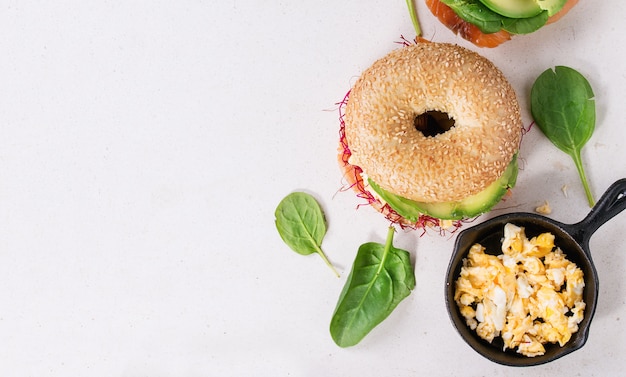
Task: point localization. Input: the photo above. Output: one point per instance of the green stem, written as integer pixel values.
(388, 245)
(414, 19)
(581, 172)
(321, 253)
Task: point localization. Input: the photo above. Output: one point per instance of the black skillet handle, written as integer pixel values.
(612, 202)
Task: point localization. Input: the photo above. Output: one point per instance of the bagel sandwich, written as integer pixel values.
(430, 134)
(489, 23)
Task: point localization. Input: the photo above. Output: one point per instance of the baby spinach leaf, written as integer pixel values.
(488, 21)
(475, 12)
(525, 25)
(301, 224)
(381, 277)
(563, 106)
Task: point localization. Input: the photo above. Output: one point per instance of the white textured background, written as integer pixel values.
(144, 146)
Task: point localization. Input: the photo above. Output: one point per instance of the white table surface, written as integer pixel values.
(145, 146)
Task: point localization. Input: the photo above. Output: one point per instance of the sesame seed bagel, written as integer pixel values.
(450, 166)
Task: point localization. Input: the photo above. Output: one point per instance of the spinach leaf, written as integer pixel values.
(380, 278)
(475, 12)
(525, 25)
(301, 224)
(563, 106)
(488, 21)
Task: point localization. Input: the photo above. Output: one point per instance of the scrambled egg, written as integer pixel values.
(530, 295)
(544, 209)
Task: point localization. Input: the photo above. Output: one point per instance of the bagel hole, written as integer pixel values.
(433, 123)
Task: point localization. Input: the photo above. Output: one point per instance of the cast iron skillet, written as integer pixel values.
(573, 239)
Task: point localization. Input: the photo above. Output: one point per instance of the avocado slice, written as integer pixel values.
(552, 6)
(515, 8)
(467, 208)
